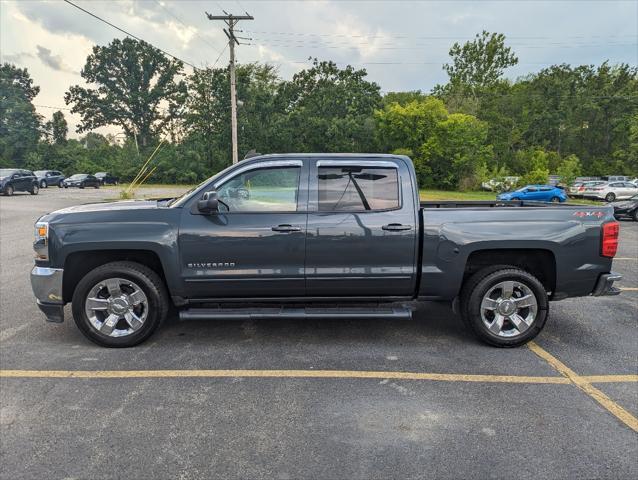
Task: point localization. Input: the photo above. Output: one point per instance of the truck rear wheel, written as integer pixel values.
(120, 304)
(504, 306)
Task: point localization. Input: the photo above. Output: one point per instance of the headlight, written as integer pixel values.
(41, 242)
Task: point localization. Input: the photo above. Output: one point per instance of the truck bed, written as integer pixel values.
(487, 203)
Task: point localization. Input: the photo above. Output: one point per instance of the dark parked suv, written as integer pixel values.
(16, 180)
(48, 178)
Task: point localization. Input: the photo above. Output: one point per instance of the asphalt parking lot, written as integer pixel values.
(314, 399)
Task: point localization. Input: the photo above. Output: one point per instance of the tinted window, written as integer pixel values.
(532, 189)
(262, 190)
(615, 185)
(545, 189)
(348, 189)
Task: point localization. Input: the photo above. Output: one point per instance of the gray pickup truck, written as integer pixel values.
(319, 236)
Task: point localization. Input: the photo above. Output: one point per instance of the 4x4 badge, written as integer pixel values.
(591, 213)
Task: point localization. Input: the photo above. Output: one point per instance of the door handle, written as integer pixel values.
(396, 227)
(285, 228)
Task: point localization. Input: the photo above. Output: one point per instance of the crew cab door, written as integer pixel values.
(255, 245)
(362, 229)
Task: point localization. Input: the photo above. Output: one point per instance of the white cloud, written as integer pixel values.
(415, 35)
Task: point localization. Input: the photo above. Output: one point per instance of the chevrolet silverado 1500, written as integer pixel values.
(314, 236)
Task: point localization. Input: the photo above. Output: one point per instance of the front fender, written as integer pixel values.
(157, 233)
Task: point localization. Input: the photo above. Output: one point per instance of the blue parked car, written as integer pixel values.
(538, 193)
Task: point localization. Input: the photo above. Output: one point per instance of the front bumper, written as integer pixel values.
(605, 285)
(47, 288)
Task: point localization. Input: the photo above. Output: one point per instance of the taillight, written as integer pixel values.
(609, 240)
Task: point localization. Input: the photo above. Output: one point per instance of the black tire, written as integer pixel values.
(66, 186)
(479, 284)
(555, 200)
(61, 184)
(97, 186)
(150, 283)
(610, 197)
(81, 186)
(43, 184)
(8, 190)
(634, 215)
(34, 189)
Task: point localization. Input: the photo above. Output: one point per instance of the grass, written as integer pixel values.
(430, 195)
(150, 185)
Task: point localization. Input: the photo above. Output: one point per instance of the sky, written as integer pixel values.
(402, 44)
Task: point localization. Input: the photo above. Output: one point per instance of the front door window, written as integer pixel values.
(261, 190)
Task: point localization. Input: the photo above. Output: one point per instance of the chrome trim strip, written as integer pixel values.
(356, 163)
(257, 166)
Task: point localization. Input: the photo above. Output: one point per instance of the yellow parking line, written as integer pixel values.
(629, 289)
(444, 377)
(626, 258)
(581, 382)
(610, 378)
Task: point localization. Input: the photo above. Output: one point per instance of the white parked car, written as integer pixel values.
(611, 191)
(577, 189)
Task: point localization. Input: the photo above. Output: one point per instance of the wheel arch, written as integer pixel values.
(78, 264)
(539, 262)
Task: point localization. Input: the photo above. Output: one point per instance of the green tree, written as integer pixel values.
(403, 98)
(19, 122)
(57, 128)
(456, 156)
(207, 117)
(409, 126)
(480, 63)
(137, 89)
(568, 169)
(533, 165)
(326, 108)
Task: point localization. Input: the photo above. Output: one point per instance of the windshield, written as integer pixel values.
(179, 201)
(522, 189)
(5, 172)
(77, 176)
(100, 174)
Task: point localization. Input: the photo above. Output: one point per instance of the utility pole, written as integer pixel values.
(231, 21)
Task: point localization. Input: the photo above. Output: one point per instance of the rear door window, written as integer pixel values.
(356, 189)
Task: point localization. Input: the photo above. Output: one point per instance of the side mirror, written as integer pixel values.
(209, 202)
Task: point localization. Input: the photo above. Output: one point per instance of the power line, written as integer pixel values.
(52, 108)
(129, 34)
(427, 37)
(417, 46)
(220, 55)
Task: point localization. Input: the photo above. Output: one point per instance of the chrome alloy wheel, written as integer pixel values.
(509, 308)
(116, 307)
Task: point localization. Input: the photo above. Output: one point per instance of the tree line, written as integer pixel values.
(565, 120)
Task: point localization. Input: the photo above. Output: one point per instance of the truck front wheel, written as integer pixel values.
(120, 304)
(504, 306)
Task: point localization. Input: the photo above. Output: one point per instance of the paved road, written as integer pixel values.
(299, 426)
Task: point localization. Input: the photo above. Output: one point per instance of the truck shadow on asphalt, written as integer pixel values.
(431, 322)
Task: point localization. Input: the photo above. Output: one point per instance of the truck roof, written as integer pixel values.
(328, 155)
